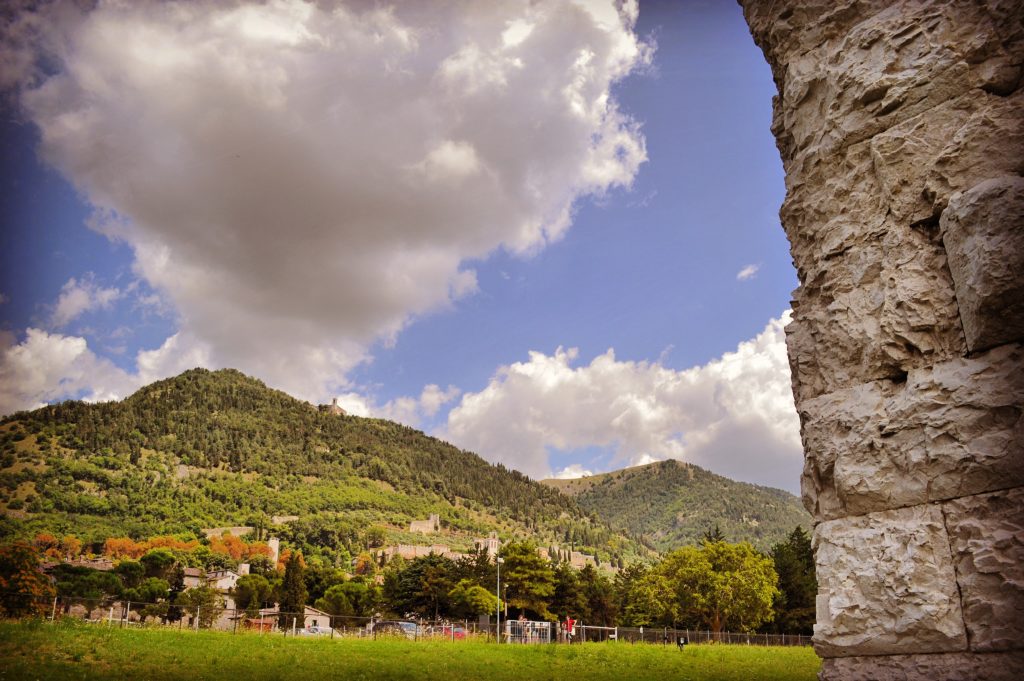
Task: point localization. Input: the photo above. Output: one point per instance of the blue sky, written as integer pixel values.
(523, 232)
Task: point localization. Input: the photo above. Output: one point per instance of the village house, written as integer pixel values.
(311, 618)
(225, 580)
(194, 577)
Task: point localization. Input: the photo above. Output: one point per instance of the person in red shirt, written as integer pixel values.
(570, 625)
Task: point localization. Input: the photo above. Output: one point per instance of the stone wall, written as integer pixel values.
(901, 129)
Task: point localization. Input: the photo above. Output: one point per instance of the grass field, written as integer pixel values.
(79, 651)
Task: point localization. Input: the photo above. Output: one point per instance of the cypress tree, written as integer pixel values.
(293, 591)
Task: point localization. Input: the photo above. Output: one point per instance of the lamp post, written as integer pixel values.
(497, 593)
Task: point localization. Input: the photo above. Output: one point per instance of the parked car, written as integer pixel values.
(395, 628)
(315, 631)
(447, 631)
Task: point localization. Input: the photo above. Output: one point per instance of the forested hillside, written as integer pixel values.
(672, 504)
(209, 449)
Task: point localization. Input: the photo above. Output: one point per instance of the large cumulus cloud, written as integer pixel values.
(734, 415)
(302, 179)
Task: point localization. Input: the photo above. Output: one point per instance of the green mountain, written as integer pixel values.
(214, 449)
(671, 504)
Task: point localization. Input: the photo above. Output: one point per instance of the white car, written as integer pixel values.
(316, 631)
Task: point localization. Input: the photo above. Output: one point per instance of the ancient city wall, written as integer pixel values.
(900, 129)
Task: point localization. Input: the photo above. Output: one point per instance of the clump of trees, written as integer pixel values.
(24, 589)
(717, 586)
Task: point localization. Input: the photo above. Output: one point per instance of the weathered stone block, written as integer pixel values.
(986, 535)
(859, 68)
(983, 231)
(882, 306)
(886, 585)
(832, 204)
(938, 667)
(949, 430)
(989, 144)
(923, 160)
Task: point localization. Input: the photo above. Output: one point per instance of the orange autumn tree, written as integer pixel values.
(71, 546)
(228, 545)
(256, 550)
(47, 544)
(173, 543)
(24, 589)
(123, 547)
(282, 560)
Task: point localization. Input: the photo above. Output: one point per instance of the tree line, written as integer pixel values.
(717, 585)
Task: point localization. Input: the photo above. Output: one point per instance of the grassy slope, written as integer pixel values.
(76, 651)
(673, 503)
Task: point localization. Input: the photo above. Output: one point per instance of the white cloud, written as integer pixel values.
(572, 471)
(80, 296)
(748, 272)
(734, 415)
(47, 367)
(412, 411)
(301, 180)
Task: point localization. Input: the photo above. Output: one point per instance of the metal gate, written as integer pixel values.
(526, 631)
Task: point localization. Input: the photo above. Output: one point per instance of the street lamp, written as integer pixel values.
(497, 593)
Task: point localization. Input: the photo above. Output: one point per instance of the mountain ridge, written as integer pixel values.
(219, 448)
(670, 504)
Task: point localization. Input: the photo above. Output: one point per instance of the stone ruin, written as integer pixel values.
(900, 128)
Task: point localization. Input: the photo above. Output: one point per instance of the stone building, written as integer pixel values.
(901, 128)
(491, 544)
(429, 526)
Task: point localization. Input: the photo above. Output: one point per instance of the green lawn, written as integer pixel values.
(80, 651)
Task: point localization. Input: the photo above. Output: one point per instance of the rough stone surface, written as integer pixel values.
(874, 310)
(849, 69)
(983, 232)
(901, 129)
(987, 537)
(941, 667)
(922, 161)
(948, 430)
(886, 585)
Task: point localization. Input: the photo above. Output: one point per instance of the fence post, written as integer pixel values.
(53, 615)
(197, 616)
(110, 617)
(127, 614)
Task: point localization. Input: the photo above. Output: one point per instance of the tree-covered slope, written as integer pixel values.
(217, 448)
(672, 504)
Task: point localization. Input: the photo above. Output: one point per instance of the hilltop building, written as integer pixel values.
(335, 409)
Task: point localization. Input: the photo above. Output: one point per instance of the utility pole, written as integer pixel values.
(497, 593)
